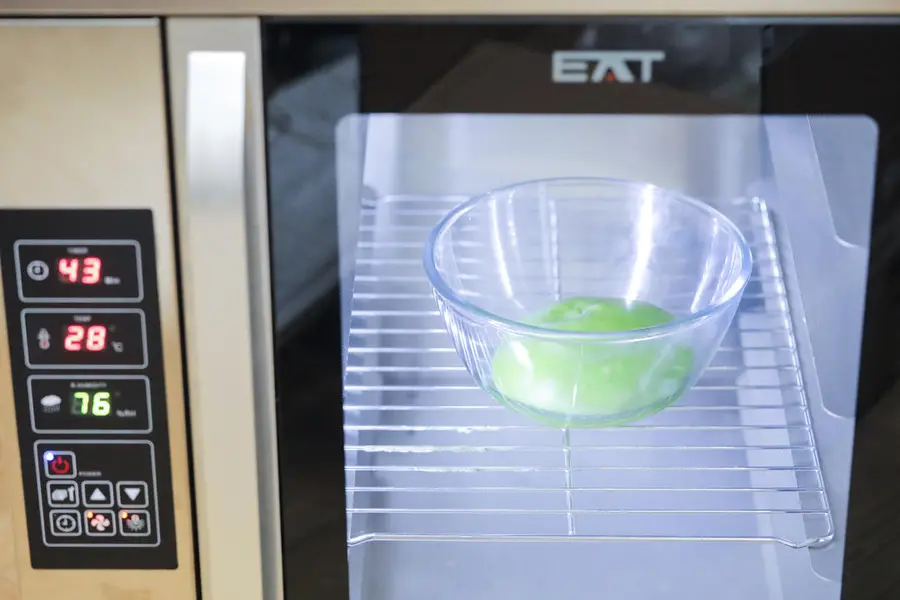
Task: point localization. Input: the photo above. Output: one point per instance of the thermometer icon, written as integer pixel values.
(43, 338)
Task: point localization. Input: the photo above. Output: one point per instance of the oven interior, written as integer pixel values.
(742, 486)
(744, 481)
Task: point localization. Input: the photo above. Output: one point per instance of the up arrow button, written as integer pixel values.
(97, 494)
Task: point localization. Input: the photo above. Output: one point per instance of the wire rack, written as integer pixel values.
(429, 456)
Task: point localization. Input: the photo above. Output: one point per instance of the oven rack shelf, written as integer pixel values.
(429, 456)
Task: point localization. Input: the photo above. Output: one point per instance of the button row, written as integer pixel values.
(97, 494)
(99, 523)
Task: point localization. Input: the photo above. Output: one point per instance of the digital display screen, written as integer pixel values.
(83, 403)
(99, 338)
(79, 271)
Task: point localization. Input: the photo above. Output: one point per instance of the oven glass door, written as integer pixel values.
(402, 478)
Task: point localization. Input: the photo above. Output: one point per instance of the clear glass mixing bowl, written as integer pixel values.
(586, 302)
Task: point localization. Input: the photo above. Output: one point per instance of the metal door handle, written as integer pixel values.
(213, 230)
(216, 127)
(215, 71)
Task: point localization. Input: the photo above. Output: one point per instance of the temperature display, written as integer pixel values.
(91, 338)
(100, 338)
(79, 270)
(62, 403)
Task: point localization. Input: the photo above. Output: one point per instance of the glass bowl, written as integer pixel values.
(586, 302)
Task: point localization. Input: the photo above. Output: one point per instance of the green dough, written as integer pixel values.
(600, 383)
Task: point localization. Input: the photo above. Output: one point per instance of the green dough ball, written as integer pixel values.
(599, 381)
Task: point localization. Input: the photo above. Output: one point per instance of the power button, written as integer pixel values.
(59, 464)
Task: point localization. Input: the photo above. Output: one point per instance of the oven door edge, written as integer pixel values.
(217, 119)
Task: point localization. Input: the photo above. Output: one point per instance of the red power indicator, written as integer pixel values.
(76, 270)
(61, 466)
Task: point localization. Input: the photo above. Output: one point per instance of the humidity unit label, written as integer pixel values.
(86, 359)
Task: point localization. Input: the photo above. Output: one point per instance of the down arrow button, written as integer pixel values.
(132, 494)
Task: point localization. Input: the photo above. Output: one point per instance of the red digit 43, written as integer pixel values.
(74, 270)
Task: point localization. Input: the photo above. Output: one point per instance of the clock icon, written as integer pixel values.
(65, 523)
(37, 270)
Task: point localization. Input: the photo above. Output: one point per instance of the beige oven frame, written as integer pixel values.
(787, 8)
(83, 125)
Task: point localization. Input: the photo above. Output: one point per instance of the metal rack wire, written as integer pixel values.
(432, 457)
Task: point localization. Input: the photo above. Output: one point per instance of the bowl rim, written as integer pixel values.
(441, 288)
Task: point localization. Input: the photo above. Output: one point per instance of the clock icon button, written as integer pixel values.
(65, 523)
(37, 270)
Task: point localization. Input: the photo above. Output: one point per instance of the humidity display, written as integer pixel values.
(75, 402)
(90, 404)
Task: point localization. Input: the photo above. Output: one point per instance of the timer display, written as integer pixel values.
(86, 271)
(78, 270)
(82, 403)
(91, 339)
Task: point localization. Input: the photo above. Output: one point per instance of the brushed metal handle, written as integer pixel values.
(218, 324)
(216, 127)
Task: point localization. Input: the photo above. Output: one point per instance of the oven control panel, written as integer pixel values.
(86, 358)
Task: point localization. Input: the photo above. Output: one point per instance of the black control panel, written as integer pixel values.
(82, 314)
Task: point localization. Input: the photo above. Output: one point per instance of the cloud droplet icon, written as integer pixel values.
(51, 403)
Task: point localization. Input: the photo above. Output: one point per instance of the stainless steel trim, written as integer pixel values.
(262, 320)
(216, 87)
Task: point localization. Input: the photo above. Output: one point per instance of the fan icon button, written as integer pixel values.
(100, 522)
